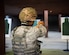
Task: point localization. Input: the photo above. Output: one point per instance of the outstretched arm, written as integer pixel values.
(42, 28)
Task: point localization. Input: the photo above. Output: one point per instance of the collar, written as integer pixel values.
(25, 24)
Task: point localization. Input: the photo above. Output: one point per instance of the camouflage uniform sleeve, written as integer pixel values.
(12, 32)
(42, 31)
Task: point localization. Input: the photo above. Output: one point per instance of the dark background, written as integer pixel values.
(13, 7)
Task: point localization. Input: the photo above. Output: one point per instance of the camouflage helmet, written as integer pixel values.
(27, 14)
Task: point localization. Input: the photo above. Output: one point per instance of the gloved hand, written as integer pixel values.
(40, 23)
